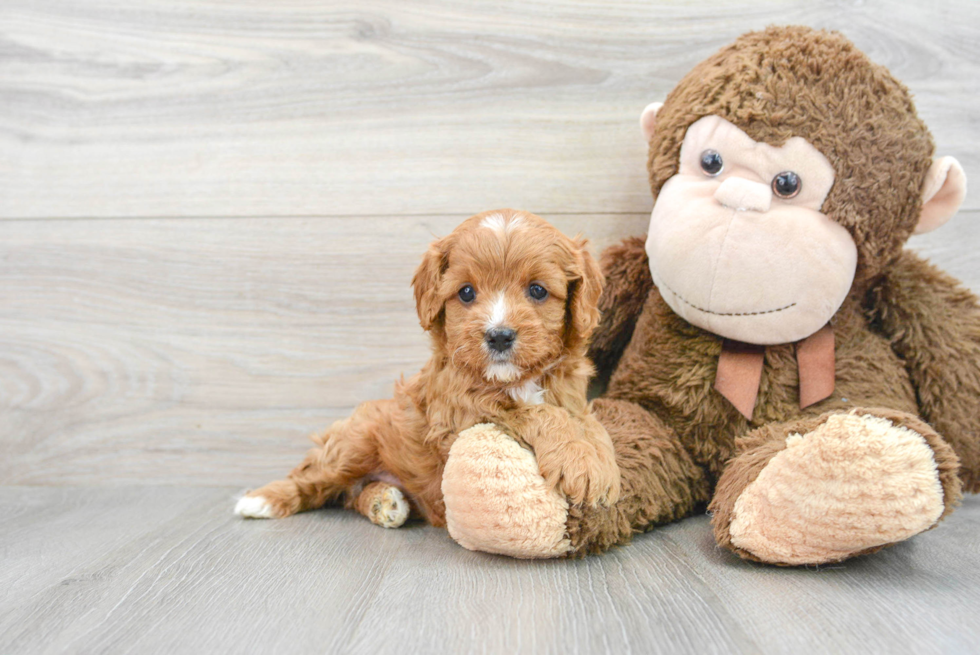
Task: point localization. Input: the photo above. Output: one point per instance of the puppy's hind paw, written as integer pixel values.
(255, 507)
(392, 510)
(389, 509)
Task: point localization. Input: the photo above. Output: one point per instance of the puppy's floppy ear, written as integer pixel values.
(584, 287)
(426, 283)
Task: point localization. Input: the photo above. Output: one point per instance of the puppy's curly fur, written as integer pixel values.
(504, 273)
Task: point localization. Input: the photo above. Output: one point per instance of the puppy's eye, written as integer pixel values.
(467, 294)
(537, 292)
(711, 163)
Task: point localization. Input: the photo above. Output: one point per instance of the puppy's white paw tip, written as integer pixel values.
(254, 507)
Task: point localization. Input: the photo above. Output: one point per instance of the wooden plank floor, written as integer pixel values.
(203, 351)
(170, 570)
(381, 107)
(196, 272)
(209, 215)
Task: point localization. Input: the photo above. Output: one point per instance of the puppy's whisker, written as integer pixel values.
(550, 367)
(452, 358)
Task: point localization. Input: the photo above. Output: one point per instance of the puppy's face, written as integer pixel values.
(507, 295)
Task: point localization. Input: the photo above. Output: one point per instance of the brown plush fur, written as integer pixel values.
(933, 324)
(619, 310)
(661, 483)
(907, 336)
(499, 254)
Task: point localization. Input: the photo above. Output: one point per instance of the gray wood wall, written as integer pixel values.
(210, 211)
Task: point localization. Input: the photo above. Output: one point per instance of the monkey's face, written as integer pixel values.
(738, 245)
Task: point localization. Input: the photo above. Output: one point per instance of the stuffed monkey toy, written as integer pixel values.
(771, 350)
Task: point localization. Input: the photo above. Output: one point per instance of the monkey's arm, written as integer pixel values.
(627, 285)
(933, 323)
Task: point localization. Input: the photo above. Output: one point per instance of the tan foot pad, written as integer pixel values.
(856, 482)
(389, 508)
(497, 501)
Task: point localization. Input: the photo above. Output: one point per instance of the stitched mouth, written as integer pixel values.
(708, 311)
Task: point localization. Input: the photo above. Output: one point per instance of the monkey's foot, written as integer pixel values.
(851, 485)
(497, 501)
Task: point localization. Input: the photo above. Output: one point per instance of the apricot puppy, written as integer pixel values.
(510, 303)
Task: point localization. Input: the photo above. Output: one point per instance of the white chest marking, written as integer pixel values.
(529, 393)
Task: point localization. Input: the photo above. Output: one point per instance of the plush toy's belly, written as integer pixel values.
(669, 368)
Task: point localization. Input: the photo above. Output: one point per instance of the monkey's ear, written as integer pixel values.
(426, 283)
(942, 193)
(648, 120)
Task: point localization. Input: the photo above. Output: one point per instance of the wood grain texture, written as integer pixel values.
(302, 107)
(203, 351)
(199, 351)
(209, 215)
(192, 578)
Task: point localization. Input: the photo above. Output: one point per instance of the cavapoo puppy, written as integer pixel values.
(510, 303)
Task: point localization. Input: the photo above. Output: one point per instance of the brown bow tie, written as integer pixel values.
(740, 370)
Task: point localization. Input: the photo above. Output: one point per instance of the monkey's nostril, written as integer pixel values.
(500, 339)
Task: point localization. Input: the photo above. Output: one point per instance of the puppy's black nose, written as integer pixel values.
(500, 339)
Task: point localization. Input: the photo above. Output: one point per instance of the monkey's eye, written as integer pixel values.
(711, 163)
(467, 294)
(537, 292)
(787, 184)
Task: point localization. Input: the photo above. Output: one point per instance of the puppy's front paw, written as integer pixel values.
(581, 471)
